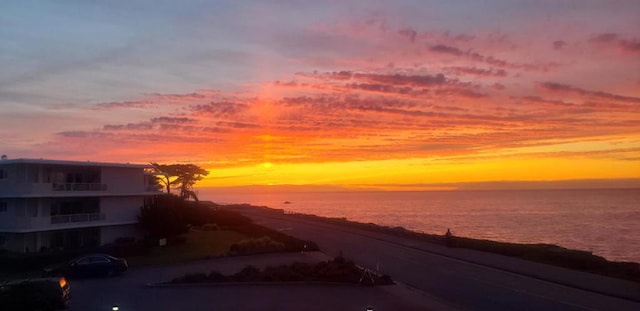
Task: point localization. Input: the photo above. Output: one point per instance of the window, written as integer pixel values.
(3, 174)
(93, 260)
(3, 206)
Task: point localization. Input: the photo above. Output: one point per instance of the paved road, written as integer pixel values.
(459, 283)
(129, 292)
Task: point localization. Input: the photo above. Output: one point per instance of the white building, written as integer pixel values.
(51, 204)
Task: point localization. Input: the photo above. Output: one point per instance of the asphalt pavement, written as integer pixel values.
(131, 291)
(457, 278)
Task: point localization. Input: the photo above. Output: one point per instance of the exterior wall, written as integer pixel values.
(30, 220)
(111, 233)
(37, 241)
(121, 209)
(13, 242)
(123, 180)
(34, 214)
(41, 180)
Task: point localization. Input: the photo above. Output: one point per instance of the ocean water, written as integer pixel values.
(603, 221)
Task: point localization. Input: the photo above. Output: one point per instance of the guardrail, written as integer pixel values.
(61, 219)
(79, 187)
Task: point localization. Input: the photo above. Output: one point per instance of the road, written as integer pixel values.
(129, 291)
(456, 281)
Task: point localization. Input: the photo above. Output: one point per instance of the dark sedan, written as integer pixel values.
(93, 265)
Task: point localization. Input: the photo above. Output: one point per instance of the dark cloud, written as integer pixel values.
(464, 38)
(441, 48)
(124, 105)
(129, 126)
(452, 50)
(559, 44)
(239, 125)
(398, 79)
(558, 87)
(615, 40)
(605, 37)
(172, 120)
(385, 88)
(74, 134)
(221, 109)
(540, 100)
(289, 84)
(409, 33)
(190, 96)
(477, 71)
(460, 92)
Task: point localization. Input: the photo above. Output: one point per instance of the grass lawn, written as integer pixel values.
(199, 245)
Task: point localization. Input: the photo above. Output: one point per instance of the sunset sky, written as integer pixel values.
(384, 94)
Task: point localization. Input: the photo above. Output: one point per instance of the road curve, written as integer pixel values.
(455, 277)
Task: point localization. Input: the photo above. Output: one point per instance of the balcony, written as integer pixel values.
(63, 219)
(79, 187)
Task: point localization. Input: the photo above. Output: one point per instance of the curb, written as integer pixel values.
(208, 284)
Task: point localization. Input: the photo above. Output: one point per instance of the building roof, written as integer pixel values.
(73, 163)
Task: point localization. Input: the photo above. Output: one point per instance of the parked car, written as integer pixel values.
(92, 265)
(46, 294)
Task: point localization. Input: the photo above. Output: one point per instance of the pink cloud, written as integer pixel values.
(616, 41)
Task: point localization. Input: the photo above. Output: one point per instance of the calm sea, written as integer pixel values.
(604, 221)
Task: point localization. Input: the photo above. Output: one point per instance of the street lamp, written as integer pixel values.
(115, 308)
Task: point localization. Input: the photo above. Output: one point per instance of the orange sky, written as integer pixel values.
(348, 96)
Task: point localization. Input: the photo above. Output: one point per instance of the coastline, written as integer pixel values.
(547, 254)
(600, 221)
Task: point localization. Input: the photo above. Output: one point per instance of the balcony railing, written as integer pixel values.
(79, 187)
(61, 219)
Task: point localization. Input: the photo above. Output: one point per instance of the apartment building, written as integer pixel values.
(53, 204)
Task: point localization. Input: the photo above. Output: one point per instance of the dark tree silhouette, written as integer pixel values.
(183, 176)
(161, 217)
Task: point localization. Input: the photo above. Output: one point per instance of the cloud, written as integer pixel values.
(475, 56)
(400, 79)
(409, 33)
(559, 44)
(559, 87)
(477, 71)
(441, 48)
(628, 45)
(221, 109)
(124, 105)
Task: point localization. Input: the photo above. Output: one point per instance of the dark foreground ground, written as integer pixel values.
(130, 291)
(429, 276)
(460, 278)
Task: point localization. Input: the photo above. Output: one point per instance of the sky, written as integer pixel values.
(360, 94)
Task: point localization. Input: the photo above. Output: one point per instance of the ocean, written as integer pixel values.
(603, 221)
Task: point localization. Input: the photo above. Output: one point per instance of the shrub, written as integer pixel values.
(163, 217)
(249, 273)
(191, 278)
(340, 271)
(210, 227)
(125, 240)
(256, 246)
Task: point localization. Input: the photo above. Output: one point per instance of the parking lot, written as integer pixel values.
(130, 291)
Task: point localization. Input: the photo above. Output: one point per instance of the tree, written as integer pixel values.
(162, 217)
(183, 176)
